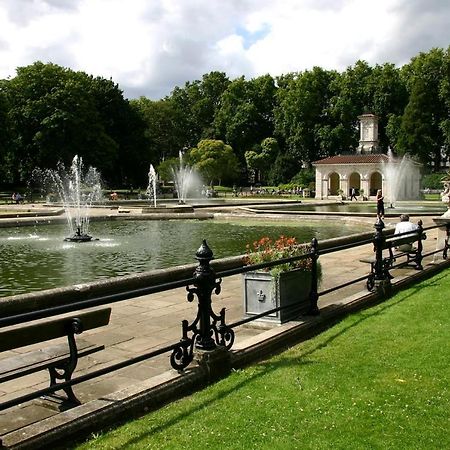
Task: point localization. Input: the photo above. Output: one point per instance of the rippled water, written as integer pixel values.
(35, 258)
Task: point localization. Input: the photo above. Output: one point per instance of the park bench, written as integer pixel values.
(6, 198)
(60, 359)
(397, 246)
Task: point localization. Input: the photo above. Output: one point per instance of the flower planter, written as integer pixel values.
(263, 292)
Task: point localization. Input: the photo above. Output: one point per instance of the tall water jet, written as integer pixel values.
(151, 188)
(185, 179)
(399, 181)
(78, 190)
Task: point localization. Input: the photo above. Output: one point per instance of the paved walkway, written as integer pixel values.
(149, 322)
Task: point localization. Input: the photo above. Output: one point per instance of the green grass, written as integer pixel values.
(377, 380)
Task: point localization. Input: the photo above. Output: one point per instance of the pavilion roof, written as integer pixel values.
(369, 158)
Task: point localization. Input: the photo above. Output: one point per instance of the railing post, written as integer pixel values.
(379, 243)
(446, 246)
(420, 237)
(313, 294)
(205, 283)
(208, 331)
(382, 282)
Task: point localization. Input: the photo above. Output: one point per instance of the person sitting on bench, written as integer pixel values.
(403, 227)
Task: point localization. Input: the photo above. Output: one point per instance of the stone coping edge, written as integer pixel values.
(159, 390)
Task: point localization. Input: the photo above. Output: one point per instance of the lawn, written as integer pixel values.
(377, 380)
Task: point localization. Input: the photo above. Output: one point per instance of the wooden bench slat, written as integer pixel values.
(41, 359)
(52, 329)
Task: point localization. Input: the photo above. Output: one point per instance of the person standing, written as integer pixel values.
(380, 204)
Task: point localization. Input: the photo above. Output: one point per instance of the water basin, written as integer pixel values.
(356, 208)
(36, 258)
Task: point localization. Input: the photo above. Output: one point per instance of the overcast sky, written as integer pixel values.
(150, 46)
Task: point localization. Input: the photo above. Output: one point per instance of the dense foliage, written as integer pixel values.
(274, 127)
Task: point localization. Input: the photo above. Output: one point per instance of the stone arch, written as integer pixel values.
(334, 181)
(354, 181)
(375, 183)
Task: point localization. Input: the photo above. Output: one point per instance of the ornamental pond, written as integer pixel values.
(37, 257)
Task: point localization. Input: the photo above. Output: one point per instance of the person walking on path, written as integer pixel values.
(380, 204)
(353, 194)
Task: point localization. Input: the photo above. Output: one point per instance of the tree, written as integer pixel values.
(5, 153)
(416, 133)
(284, 168)
(215, 161)
(352, 97)
(245, 116)
(444, 95)
(260, 159)
(125, 129)
(162, 128)
(167, 167)
(388, 99)
(196, 105)
(302, 116)
(421, 131)
(53, 118)
(56, 113)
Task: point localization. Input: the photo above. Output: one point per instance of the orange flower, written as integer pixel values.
(265, 250)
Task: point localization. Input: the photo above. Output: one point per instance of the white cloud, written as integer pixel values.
(150, 47)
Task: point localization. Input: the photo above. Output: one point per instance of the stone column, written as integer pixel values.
(344, 185)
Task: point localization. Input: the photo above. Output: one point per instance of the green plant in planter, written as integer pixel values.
(284, 285)
(266, 250)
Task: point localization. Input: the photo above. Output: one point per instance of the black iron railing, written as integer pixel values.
(208, 329)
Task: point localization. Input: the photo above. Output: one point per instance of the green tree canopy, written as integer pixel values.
(196, 105)
(5, 152)
(162, 127)
(56, 113)
(245, 116)
(421, 132)
(215, 161)
(260, 159)
(166, 168)
(302, 116)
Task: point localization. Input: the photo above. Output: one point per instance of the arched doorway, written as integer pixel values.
(354, 182)
(376, 182)
(333, 184)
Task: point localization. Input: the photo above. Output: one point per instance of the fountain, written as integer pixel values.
(398, 175)
(185, 179)
(78, 190)
(151, 188)
(155, 208)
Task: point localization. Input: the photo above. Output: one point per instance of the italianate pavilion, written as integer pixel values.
(367, 169)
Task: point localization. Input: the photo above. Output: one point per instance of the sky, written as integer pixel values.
(149, 47)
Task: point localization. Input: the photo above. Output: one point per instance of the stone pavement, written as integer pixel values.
(146, 323)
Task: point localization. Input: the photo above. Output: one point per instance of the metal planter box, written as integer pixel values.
(263, 292)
